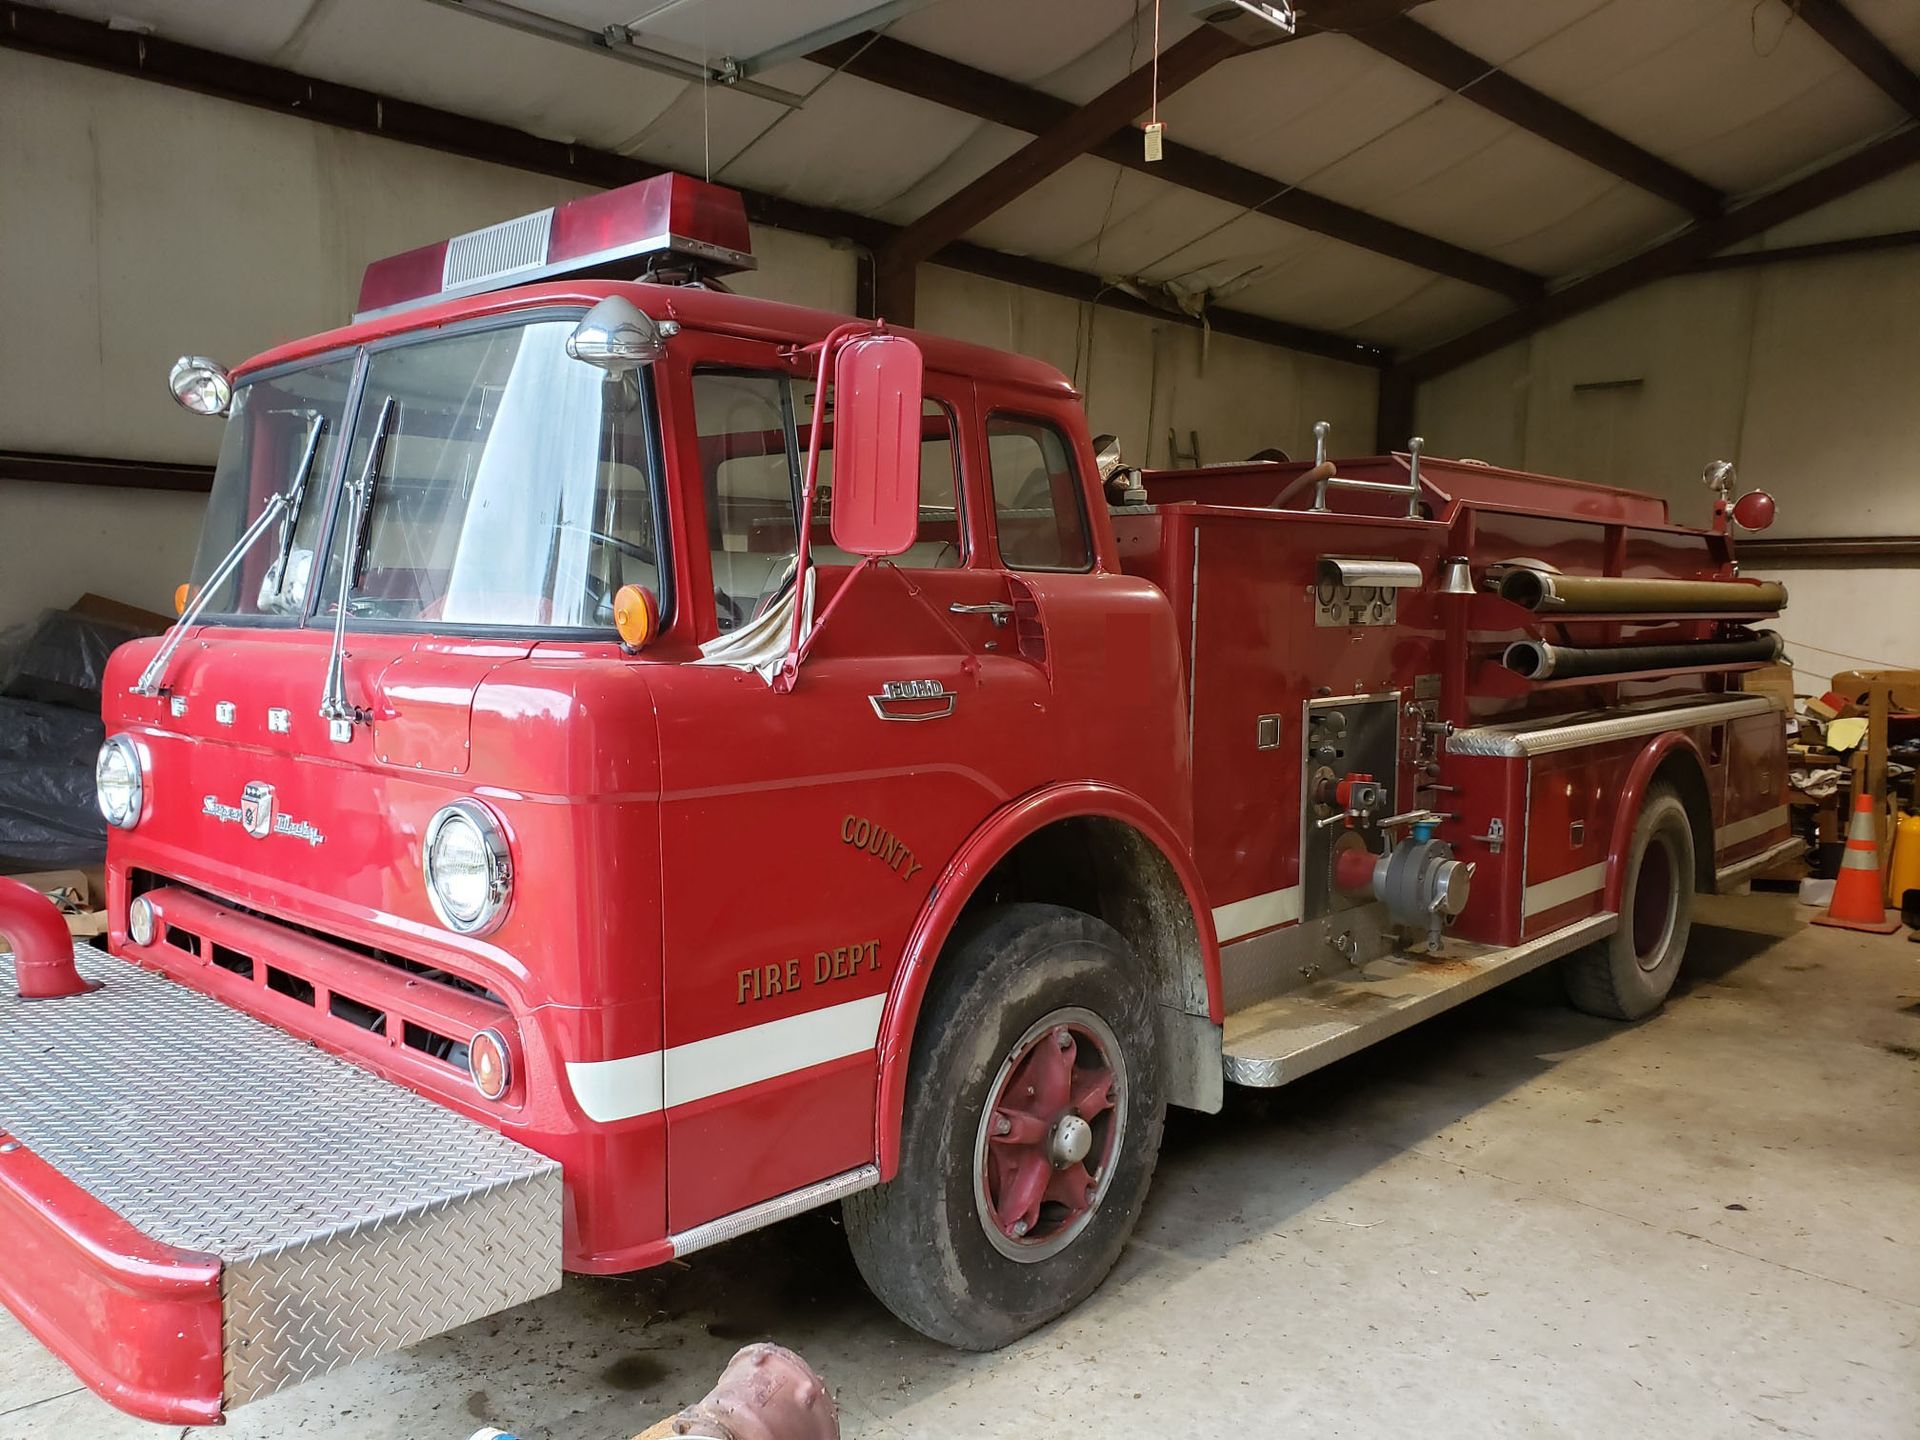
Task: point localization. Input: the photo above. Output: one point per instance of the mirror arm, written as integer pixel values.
(970, 662)
(797, 643)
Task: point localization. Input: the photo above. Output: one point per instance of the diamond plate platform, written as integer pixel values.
(350, 1216)
(1279, 1040)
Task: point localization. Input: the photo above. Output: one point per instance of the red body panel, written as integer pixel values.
(729, 901)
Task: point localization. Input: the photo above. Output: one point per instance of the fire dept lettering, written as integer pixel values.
(842, 962)
(880, 843)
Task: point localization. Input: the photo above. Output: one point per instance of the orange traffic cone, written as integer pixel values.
(1856, 893)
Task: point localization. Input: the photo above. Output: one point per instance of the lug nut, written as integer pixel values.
(1063, 1038)
(1002, 1125)
(1019, 1229)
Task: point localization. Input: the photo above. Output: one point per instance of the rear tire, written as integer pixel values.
(1627, 975)
(1012, 1203)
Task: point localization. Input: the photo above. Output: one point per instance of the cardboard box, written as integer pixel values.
(1775, 680)
(1904, 685)
(80, 894)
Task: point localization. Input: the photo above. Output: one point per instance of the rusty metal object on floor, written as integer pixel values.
(766, 1393)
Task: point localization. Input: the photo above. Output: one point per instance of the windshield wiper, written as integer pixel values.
(149, 683)
(334, 709)
(296, 503)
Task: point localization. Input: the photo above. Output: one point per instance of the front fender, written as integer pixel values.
(975, 859)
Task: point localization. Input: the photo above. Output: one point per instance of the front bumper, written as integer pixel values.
(199, 1209)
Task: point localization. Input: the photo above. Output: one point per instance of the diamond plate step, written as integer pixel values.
(1281, 1039)
(350, 1216)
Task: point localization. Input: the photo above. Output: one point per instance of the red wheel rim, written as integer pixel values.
(1050, 1135)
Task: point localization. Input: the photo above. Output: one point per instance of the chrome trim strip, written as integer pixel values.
(1747, 829)
(768, 1212)
(1563, 890)
(1513, 741)
(1742, 870)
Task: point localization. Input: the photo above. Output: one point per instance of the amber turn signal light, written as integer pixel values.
(636, 615)
(488, 1063)
(181, 594)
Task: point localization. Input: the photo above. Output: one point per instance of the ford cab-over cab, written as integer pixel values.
(695, 759)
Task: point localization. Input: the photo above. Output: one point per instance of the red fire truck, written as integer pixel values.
(638, 762)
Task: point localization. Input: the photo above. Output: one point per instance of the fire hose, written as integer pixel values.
(1547, 591)
(1537, 660)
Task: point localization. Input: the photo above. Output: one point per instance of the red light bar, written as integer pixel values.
(666, 216)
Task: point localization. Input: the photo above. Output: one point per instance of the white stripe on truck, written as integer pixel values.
(610, 1090)
(1764, 823)
(1562, 890)
(1258, 912)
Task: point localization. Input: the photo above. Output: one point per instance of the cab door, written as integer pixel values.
(802, 833)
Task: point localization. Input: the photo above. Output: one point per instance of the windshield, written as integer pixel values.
(515, 488)
(261, 454)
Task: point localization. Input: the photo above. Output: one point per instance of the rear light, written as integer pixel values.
(487, 1062)
(140, 920)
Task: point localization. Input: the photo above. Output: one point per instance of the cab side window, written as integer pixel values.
(1036, 496)
(941, 542)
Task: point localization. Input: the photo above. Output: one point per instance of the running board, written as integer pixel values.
(1286, 1037)
(1739, 871)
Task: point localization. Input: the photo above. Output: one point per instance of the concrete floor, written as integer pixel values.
(1514, 1221)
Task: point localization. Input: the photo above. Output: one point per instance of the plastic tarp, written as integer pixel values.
(47, 812)
(60, 659)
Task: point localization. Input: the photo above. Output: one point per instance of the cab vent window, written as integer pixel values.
(1036, 496)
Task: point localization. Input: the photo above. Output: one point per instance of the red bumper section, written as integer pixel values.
(197, 1210)
(138, 1321)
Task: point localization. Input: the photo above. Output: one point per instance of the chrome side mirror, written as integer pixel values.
(201, 385)
(617, 336)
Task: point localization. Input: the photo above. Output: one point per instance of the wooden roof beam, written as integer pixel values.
(1411, 45)
(1050, 151)
(882, 60)
(1884, 157)
(1834, 23)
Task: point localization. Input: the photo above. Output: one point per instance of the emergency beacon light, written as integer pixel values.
(628, 232)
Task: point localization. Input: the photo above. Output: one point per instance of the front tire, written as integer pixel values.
(1033, 1118)
(1627, 975)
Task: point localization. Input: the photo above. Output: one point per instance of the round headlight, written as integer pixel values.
(116, 782)
(469, 874)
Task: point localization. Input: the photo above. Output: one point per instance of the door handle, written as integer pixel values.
(1000, 610)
